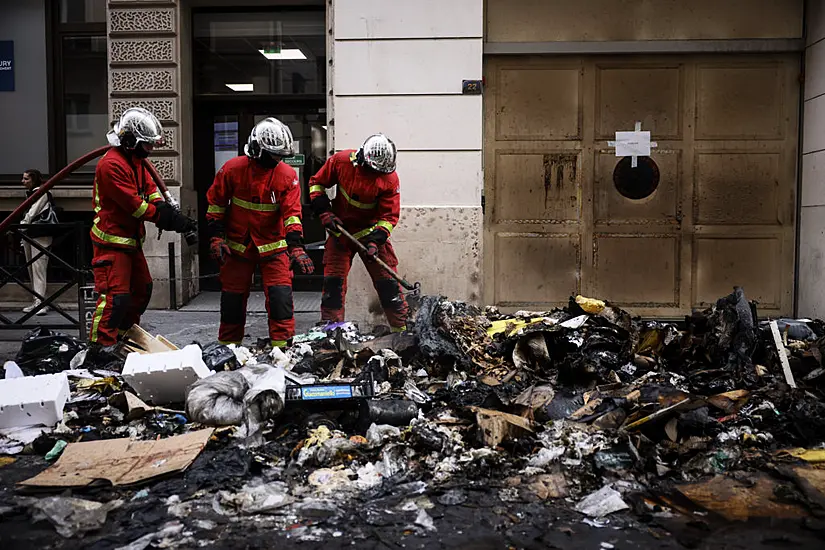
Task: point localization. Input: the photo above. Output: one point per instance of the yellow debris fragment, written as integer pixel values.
(590, 305)
(814, 456)
(510, 325)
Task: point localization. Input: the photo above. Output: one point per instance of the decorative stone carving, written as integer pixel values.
(141, 51)
(167, 168)
(142, 20)
(164, 109)
(142, 80)
(170, 140)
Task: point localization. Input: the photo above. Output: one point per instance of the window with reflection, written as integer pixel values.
(81, 105)
(85, 95)
(260, 53)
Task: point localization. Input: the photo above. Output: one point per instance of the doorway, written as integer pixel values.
(712, 207)
(249, 65)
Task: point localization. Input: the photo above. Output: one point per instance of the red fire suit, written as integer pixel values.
(124, 197)
(254, 208)
(366, 201)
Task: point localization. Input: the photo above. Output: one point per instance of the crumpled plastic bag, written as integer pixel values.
(255, 497)
(46, 352)
(219, 357)
(247, 397)
(72, 516)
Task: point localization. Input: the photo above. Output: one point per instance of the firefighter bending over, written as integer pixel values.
(367, 205)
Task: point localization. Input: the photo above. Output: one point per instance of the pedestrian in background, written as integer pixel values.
(40, 214)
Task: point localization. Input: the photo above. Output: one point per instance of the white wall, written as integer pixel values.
(811, 261)
(24, 141)
(397, 69)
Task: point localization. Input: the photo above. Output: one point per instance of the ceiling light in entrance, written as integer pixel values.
(241, 87)
(294, 53)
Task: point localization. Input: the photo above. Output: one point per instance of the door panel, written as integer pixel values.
(722, 212)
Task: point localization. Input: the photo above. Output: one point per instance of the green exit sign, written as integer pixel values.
(271, 48)
(297, 160)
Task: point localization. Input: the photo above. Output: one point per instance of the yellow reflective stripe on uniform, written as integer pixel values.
(292, 220)
(364, 232)
(355, 203)
(155, 196)
(278, 343)
(386, 225)
(317, 188)
(97, 198)
(215, 209)
(114, 239)
(101, 305)
(398, 329)
(254, 205)
(353, 158)
(141, 210)
(237, 247)
(271, 246)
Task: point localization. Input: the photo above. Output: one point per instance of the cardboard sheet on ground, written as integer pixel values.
(495, 426)
(137, 339)
(121, 461)
(738, 501)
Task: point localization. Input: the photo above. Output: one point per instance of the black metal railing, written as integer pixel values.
(60, 233)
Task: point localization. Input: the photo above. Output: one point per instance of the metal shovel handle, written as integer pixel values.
(393, 274)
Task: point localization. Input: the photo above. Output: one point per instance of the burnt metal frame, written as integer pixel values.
(79, 279)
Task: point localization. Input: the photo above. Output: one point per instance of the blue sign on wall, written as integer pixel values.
(6, 66)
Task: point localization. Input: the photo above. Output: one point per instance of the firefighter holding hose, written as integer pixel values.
(125, 196)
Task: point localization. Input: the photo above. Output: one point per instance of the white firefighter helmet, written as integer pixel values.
(378, 152)
(136, 125)
(270, 135)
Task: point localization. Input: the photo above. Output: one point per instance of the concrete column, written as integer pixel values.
(398, 68)
(145, 71)
(811, 291)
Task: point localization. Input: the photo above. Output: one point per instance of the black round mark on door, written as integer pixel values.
(636, 183)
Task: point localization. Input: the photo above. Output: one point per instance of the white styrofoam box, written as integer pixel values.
(33, 400)
(162, 378)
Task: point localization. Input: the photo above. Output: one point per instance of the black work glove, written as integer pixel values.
(320, 204)
(169, 219)
(373, 241)
(377, 236)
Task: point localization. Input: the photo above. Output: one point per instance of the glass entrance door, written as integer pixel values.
(220, 136)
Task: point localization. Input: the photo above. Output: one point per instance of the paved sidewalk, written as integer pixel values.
(198, 323)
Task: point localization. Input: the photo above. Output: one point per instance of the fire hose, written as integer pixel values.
(191, 237)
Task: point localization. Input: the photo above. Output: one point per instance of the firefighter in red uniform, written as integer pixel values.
(367, 205)
(125, 195)
(254, 218)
